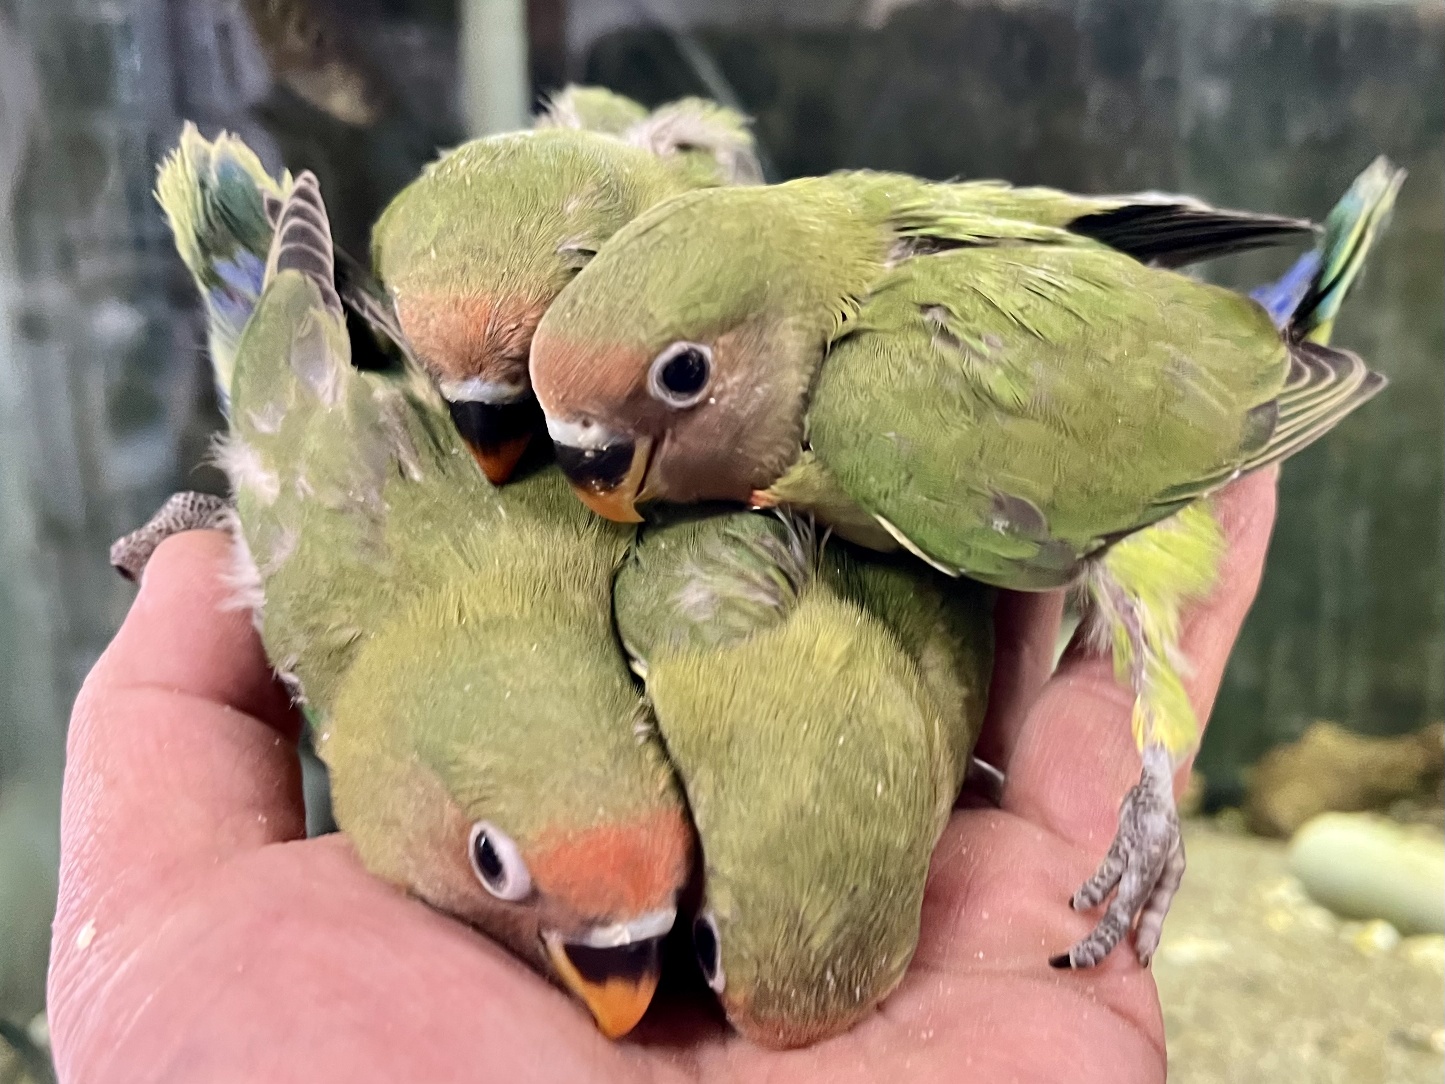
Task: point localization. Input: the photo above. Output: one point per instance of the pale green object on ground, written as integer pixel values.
(1364, 866)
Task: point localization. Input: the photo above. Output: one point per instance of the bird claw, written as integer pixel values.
(188, 511)
(1145, 864)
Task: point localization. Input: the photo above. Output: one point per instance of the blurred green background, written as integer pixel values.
(105, 406)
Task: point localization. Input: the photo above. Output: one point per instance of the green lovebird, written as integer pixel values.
(979, 375)
(818, 705)
(476, 248)
(452, 643)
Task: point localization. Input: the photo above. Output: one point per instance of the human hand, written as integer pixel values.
(201, 937)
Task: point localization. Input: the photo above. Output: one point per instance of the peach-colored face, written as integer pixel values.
(464, 338)
(476, 348)
(734, 437)
(618, 868)
(593, 905)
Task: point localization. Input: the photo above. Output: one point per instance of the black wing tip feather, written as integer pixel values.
(1178, 234)
(303, 239)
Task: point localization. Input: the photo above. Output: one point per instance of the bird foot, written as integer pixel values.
(1145, 863)
(188, 511)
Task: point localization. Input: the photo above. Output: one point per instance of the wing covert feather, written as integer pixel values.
(981, 386)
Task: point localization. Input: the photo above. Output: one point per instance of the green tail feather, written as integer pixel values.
(1351, 229)
(214, 197)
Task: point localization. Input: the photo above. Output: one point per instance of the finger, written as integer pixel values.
(1025, 629)
(1075, 756)
(181, 749)
(186, 633)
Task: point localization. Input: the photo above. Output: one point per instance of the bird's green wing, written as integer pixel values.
(312, 436)
(1163, 230)
(1006, 410)
(1324, 385)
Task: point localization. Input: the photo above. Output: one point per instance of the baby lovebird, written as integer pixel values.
(476, 248)
(1005, 383)
(820, 710)
(451, 643)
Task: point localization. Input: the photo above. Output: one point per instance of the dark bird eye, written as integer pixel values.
(679, 374)
(709, 951)
(498, 863)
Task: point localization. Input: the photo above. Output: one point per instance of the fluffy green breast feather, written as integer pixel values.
(820, 707)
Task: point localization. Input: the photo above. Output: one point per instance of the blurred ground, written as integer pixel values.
(1260, 984)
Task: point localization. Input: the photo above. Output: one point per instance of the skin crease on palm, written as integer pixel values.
(200, 937)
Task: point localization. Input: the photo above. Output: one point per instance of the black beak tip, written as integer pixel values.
(597, 469)
(490, 425)
(630, 962)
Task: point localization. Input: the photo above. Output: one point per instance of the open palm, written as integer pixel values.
(201, 938)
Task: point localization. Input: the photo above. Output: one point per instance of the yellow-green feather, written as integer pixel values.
(1138, 592)
(820, 710)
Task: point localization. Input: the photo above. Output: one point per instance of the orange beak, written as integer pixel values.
(499, 460)
(615, 983)
(608, 480)
(497, 433)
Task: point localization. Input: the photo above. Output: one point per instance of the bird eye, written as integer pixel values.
(680, 374)
(708, 946)
(498, 863)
